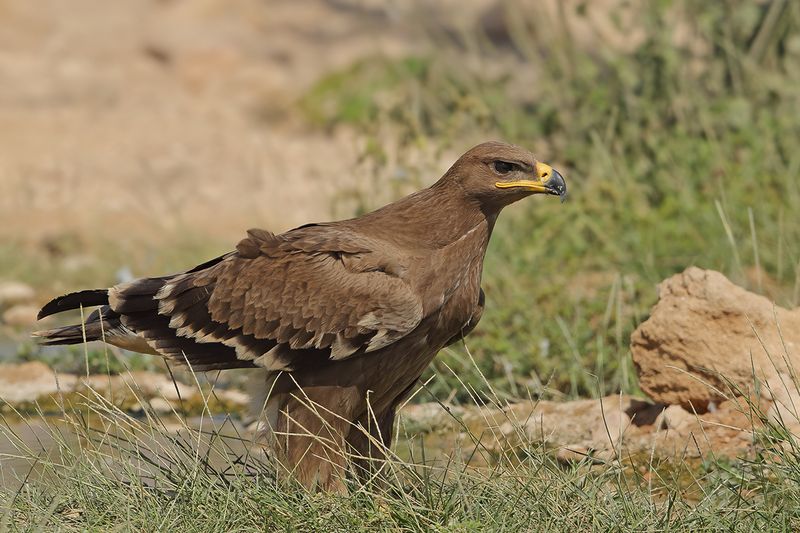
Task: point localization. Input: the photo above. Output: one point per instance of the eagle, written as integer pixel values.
(341, 317)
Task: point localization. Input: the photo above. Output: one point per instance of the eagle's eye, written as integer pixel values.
(503, 167)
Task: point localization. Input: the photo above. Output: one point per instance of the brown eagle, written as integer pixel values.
(343, 317)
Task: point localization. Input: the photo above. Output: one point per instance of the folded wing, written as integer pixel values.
(316, 291)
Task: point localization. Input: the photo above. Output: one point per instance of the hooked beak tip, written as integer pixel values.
(557, 186)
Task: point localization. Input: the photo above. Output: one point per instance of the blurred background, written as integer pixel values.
(141, 137)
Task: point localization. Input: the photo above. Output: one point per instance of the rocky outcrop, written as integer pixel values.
(603, 429)
(708, 339)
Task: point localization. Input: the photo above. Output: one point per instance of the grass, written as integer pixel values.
(676, 153)
(96, 467)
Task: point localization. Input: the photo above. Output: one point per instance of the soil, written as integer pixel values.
(148, 116)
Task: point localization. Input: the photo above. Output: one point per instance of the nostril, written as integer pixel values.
(543, 171)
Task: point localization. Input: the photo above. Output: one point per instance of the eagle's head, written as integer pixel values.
(497, 174)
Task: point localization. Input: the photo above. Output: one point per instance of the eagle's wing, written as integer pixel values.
(277, 298)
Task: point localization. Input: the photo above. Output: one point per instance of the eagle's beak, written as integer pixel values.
(556, 185)
(550, 182)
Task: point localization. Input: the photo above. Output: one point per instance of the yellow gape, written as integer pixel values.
(543, 171)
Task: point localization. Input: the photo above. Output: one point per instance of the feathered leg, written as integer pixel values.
(306, 431)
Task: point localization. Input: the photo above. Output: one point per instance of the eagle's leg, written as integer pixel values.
(370, 440)
(316, 433)
(307, 432)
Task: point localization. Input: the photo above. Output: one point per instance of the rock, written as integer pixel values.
(20, 315)
(157, 406)
(785, 408)
(232, 396)
(27, 382)
(593, 424)
(728, 431)
(160, 405)
(611, 427)
(573, 454)
(15, 292)
(430, 417)
(598, 425)
(155, 385)
(676, 418)
(706, 336)
(143, 384)
(580, 429)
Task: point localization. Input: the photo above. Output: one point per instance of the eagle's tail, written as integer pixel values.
(97, 324)
(74, 300)
(75, 334)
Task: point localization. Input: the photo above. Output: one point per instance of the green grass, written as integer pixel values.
(674, 156)
(97, 468)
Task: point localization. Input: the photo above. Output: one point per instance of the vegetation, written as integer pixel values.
(96, 467)
(678, 150)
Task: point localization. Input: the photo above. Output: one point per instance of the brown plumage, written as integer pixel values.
(343, 316)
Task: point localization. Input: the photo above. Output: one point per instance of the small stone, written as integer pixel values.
(160, 405)
(27, 382)
(610, 428)
(678, 419)
(20, 315)
(15, 292)
(154, 385)
(572, 453)
(233, 396)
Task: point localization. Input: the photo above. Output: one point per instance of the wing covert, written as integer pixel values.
(315, 289)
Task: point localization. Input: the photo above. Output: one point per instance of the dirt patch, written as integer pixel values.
(150, 117)
(141, 117)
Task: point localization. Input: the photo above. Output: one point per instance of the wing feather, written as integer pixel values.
(279, 300)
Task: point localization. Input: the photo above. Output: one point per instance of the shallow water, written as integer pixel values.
(31, 449)
(8, 349)
(26, 446)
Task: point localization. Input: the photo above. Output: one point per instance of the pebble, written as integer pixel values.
(21, 315)
(15, 292)
(160, 405)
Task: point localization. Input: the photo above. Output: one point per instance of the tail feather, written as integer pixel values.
(135, 323)
(75, 300)
(68, 335)
(98, 325)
